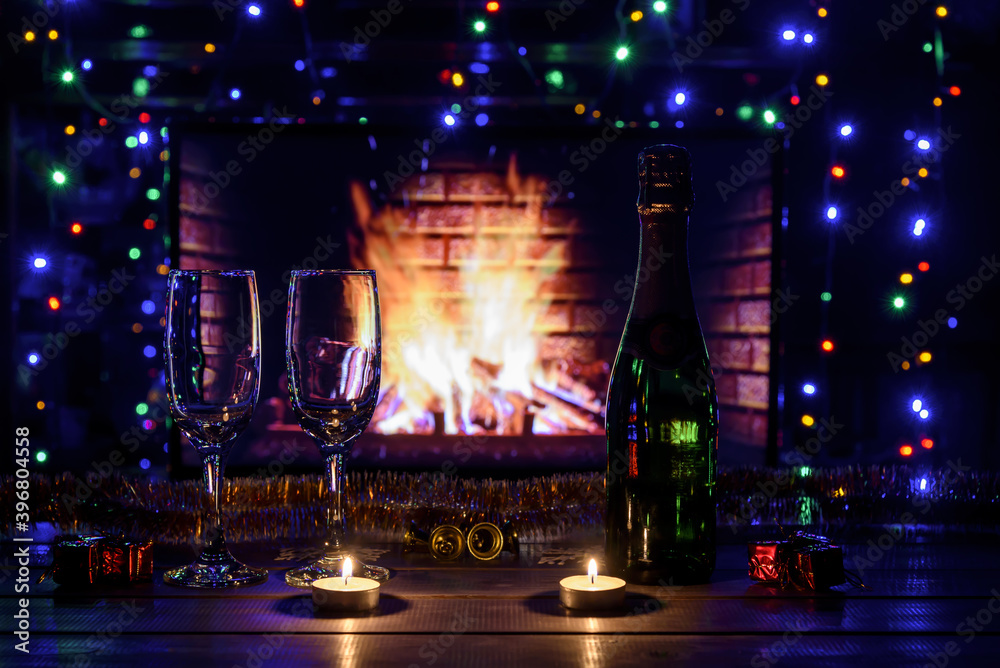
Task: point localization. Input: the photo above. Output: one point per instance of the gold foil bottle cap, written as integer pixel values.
(665, 179)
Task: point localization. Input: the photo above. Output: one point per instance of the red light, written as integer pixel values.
(54, 303)
(827, 345)
(149, 224)
(795, 99)
(76, 228)
(955, 90)
(906, 450)
(923, 266)
(144, 117)
(926, 443)
(837, 171)
(444, 76)
(299, 3)
(493, 6)
(103, 122)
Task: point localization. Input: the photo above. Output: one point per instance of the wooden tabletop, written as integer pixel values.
(507, 612)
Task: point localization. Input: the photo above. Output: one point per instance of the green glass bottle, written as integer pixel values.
(662, 412)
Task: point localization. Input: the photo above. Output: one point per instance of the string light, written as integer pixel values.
(898, 302)
(76, 228)
(827, 346)
(906, 450)
(29, 36)
(579, 109)
(209, 48)
(938, 102)
(457, 79)
(493, 6)
(926, 443)
(253, 9)
(54, 303)
(69, 130)
(87, 64)
(822, 80)
(831, 213)
(925, 357)
(67, 76)
(922, 172)
(906, 278)
(53, 35)
(809, 389)
(837, 171)
(680, 99)
(769, 117)
(788, 35)
(636, 16)
(39, 262)
(941, 11)
(479, 26)
(955, 90)
(825, 296)
(659, 6)
(59, 177)
(821, 12)
(808, 38)
(924, 266)
(808, 420)
(621, 53)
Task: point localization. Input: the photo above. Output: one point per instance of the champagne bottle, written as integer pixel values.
(662, 411)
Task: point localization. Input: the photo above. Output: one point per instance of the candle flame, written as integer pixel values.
(592, 570)
(348, 567)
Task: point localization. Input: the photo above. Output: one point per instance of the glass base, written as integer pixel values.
(330, 567)
(218, 572)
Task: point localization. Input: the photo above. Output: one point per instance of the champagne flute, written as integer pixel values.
(334, 354)
(212, 356)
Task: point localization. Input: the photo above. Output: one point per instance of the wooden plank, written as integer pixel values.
(556, 651)
(532, 615)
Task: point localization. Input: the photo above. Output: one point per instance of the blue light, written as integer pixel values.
(923, 144)
(909, 135)
(449, 120)
(33, 359)
(809, 388)
(143, 137)
(831, 213)
(40, 262)
(149, 70)
(918, 227)
(788, 35)
(846, 130)
(808, 38)
(253, 10)
(235, 93)
(148, 307)
(923, 484)
(679, 124)
(924, 414)
(328, 72)
(479, 68)
(522, 51)
(299, 65)
(482, 119)
(144, 463)
(149, 351)
(679, 99)
(87, 64)
(952, 323)
(917, 405)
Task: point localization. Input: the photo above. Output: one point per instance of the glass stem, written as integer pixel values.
(213, 534)
(335, 514)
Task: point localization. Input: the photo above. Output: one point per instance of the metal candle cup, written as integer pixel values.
(592, 591)
(345, 593)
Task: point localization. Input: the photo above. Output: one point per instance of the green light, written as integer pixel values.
(619, 124)
(139, 31)
(826, 296)
(67, 76)
(654, 124)
(804, 470)
(659, 6)
(59, 177)
(744, 113)
(142, 409)
(480, 26)
(163, 132)
(363, 120)
(134, 254)
(140, 87)
(928, 47)
(455, 108)
(899, 302)
(621, 53)
(153, 194)
(131, 142)
(555, 78)
(41, 456)
(769, 117)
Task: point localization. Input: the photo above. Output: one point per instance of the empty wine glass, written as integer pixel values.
(212, 356)
(334, 354)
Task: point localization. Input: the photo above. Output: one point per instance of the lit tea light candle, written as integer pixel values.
(345, 593)
(592, 591)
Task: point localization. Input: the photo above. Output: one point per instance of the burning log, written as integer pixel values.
(569, 414)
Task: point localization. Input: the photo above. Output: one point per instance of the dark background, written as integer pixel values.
(882, 85)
